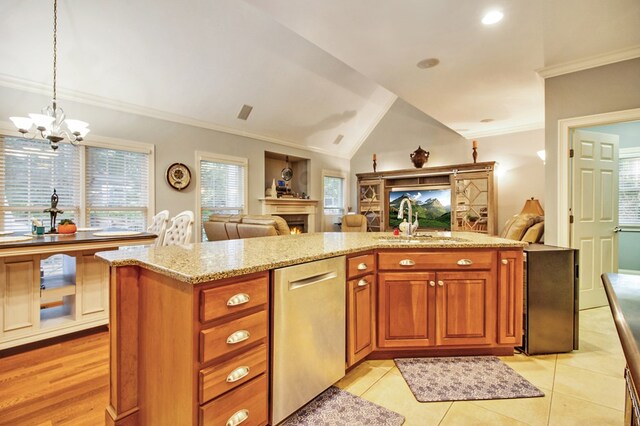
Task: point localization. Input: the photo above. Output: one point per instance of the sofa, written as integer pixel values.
(235, 226)
(527, 227)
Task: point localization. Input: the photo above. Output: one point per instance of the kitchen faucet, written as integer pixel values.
(401, 215)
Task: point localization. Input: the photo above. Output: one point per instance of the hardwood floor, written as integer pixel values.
(65, 383)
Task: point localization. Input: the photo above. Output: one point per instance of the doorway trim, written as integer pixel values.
(565, 128)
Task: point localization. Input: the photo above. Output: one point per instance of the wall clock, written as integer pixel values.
(178, 176)
(287, 173)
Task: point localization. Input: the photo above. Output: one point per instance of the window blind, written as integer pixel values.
(29, 172)
(117, 188)
(333, 195)
(629, 190)
(222, 189)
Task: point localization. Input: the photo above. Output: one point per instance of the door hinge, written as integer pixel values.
(571, 153)
(570, 218)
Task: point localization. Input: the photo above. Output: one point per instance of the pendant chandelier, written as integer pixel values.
(52, 124)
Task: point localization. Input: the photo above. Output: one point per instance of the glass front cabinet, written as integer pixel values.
(473, 206)
(371, 203)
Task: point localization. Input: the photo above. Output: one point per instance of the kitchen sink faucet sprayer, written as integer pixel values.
(409, 229)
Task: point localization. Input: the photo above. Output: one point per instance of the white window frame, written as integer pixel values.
(109, 143)
(218, 158)
(629, 153)
(345, 190)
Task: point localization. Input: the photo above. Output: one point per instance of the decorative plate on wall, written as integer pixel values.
(178, 176)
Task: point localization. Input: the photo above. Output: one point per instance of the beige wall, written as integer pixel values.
(609, 88)
(520, 171)
(177, 143)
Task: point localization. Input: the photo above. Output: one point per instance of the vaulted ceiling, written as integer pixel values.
(312, 70)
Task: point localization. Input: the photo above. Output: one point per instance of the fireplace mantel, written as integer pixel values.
(292, 206)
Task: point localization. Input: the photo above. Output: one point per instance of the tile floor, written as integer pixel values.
(584, 387)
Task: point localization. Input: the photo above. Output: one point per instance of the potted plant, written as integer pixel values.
(67, 226)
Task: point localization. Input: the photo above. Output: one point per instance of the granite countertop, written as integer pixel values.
(201, 262)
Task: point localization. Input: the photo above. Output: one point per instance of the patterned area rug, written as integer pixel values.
(463, 378)
(335, 407)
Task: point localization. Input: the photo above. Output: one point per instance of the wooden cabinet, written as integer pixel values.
(233, 342)
(371, 203)
(361, 290)
(19, 296)
(440, 298)
(474, 205)
(510, 289)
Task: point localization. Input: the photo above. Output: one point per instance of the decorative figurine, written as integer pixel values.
(374, 163)
(419, 157)
(53, 211)
(475, 151)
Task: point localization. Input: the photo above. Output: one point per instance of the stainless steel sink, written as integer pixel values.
(422, 238)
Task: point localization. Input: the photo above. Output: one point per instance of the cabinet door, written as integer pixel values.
(510, 277)
(19, 295)
(360, 320)
(474, 202)
(466, 308)
(93, 277)
(406, 309)
(371, 204)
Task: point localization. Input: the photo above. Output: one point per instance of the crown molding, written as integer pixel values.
(102, 102)
(502, 130)
(590, 62)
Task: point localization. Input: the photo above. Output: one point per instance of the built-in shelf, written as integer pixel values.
(57, 287)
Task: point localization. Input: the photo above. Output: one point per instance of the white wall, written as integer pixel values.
(176, 143)
(520, 172)
(614, 87)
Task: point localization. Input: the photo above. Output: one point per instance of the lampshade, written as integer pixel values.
(23, 123)
(532, 206)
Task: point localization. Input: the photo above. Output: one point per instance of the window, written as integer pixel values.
(629, 187)
(117, 188)
(223, 186)
(333, 195)
(98, 184)
(29, 172)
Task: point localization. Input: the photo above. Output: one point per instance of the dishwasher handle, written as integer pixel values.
(315, 279)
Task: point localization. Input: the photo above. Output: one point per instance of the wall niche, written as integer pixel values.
(274, 163)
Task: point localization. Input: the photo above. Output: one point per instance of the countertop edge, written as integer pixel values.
(202, 278)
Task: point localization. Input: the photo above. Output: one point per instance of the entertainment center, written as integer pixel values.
(459, 197)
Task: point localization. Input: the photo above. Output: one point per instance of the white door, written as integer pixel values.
(595, 211)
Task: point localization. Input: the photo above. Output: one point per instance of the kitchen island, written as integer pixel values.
(190, 341)
(52, 285)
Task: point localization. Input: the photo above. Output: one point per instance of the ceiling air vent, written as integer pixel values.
(338, 139)
(245, 111)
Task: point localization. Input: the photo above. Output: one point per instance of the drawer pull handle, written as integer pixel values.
(407, 262)
(362, 266)
(362, 283)
(238, 417)
(238, 336)
(440, 283)
(504, 261)
(465, 262)
(432, 283)
(238, 299)
(238, 374)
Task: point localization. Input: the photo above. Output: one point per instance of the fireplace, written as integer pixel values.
(299, 213)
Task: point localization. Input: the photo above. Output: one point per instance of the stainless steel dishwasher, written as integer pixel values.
(308, 333)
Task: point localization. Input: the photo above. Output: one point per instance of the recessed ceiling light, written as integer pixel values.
(486, 120)
(428, 63)
(338, 139)
(492, 17)
(461, 130)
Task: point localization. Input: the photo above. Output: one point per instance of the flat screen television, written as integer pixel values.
(431, 204)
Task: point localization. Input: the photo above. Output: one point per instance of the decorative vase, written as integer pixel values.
(274, 193)
(419, 157)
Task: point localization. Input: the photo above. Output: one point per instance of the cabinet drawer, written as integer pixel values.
(234, 297)
(236, 334)
(220, 378)
(248, 402)
(455, 260)
(360, 265)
